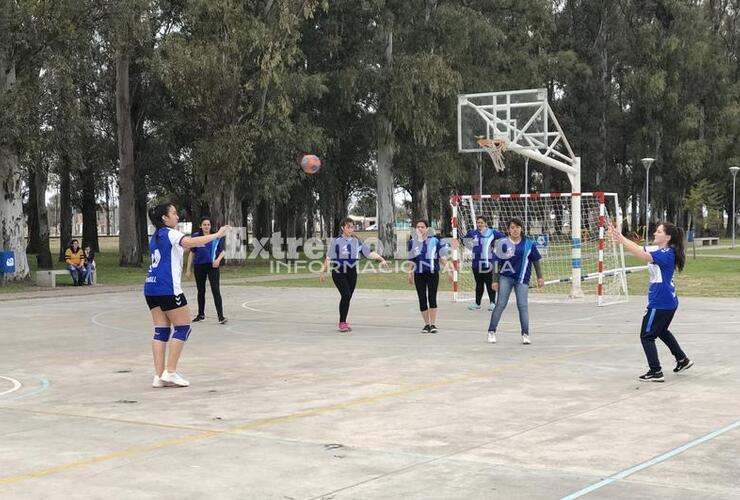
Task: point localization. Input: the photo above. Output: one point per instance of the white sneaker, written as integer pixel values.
(491, 306)
(491, 337)
(174, 378)
(525, 339)
(473, 307)
(158, 382)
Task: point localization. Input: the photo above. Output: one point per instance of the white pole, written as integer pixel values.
(734, 223)
(576, 291)
(647, 162)
(526, 199)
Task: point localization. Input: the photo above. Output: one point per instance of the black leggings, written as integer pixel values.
(203, 271)
(426, 283)
(345, 280)
(483, 279)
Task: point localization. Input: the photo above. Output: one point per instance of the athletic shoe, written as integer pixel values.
(344, 327)
(158, 382)
(682, 365)
(491, 337)
(433, 329)
(652, 376)
(222, 321)
(473, 307)
(174, 379)
(525, 339)
(198, 318)
(426, 329)
(491, 306)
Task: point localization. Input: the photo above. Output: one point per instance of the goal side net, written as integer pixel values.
(590, 266)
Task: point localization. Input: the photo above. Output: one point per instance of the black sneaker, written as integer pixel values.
(652, 376)
(426, 329)
(682, 365)
(222, 321)
(432, 329)
(198, 318)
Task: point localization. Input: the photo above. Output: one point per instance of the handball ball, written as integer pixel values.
(310, 164)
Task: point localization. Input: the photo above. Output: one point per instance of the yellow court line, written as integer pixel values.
(261, 423)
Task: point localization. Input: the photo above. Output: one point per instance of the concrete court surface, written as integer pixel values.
(282, 406)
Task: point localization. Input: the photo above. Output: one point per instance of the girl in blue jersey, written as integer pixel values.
(207, 261)
(342, 257)
(515, 256)
(163, 292)
(663, 259)
(482, 240)
(424, 254)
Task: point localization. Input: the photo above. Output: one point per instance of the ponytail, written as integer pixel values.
(155, 216)
(677, 243)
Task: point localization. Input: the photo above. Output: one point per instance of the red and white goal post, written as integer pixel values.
(573, 267)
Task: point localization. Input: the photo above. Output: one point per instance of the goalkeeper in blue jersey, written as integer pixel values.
(481, 241)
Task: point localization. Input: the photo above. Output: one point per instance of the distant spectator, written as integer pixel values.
(75, 259)
(89, 264)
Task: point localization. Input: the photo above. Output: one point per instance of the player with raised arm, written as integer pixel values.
(163, 292)
(667, 255)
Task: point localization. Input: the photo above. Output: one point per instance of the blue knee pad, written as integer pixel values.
(162, 333)
(181, 332)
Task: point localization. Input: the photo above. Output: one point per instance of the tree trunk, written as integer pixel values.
(128, 241)
(43, 257)
(11, 209)
(107, 207)
(11, 206)
(142, 216)
(89, 212)
(32, 214)
(65, 206)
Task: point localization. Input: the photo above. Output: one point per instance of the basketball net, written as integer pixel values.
(495, 149)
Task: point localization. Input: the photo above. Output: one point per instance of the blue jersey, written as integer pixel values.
(425, 254)
(165, 271)
(208, 253)
(345, 252)
(662, 291)
(514, 260)
(482, 245)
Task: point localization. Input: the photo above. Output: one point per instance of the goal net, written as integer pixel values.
(591, 265)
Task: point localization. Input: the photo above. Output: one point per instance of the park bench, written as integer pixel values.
(48, 277)
(706, 241)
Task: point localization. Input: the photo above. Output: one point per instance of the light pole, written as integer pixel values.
(734, 173)
(647, 162)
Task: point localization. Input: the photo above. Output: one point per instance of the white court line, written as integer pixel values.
(644, 465)
(94, 321)
(16, 385)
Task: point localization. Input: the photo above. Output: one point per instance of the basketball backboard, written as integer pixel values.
(523, 119)
(520, 116)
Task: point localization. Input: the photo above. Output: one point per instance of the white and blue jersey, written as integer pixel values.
(207, 253)
(662, 291)
(165, 271)
(345, 252)
(425, 254)
(482, 245)
(515, 259)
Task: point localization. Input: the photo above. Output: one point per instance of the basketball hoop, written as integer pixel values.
(495, 149)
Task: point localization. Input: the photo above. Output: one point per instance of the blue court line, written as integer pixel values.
(651, 462)
(43, 385)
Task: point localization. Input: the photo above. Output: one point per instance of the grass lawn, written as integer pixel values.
(704, 276)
